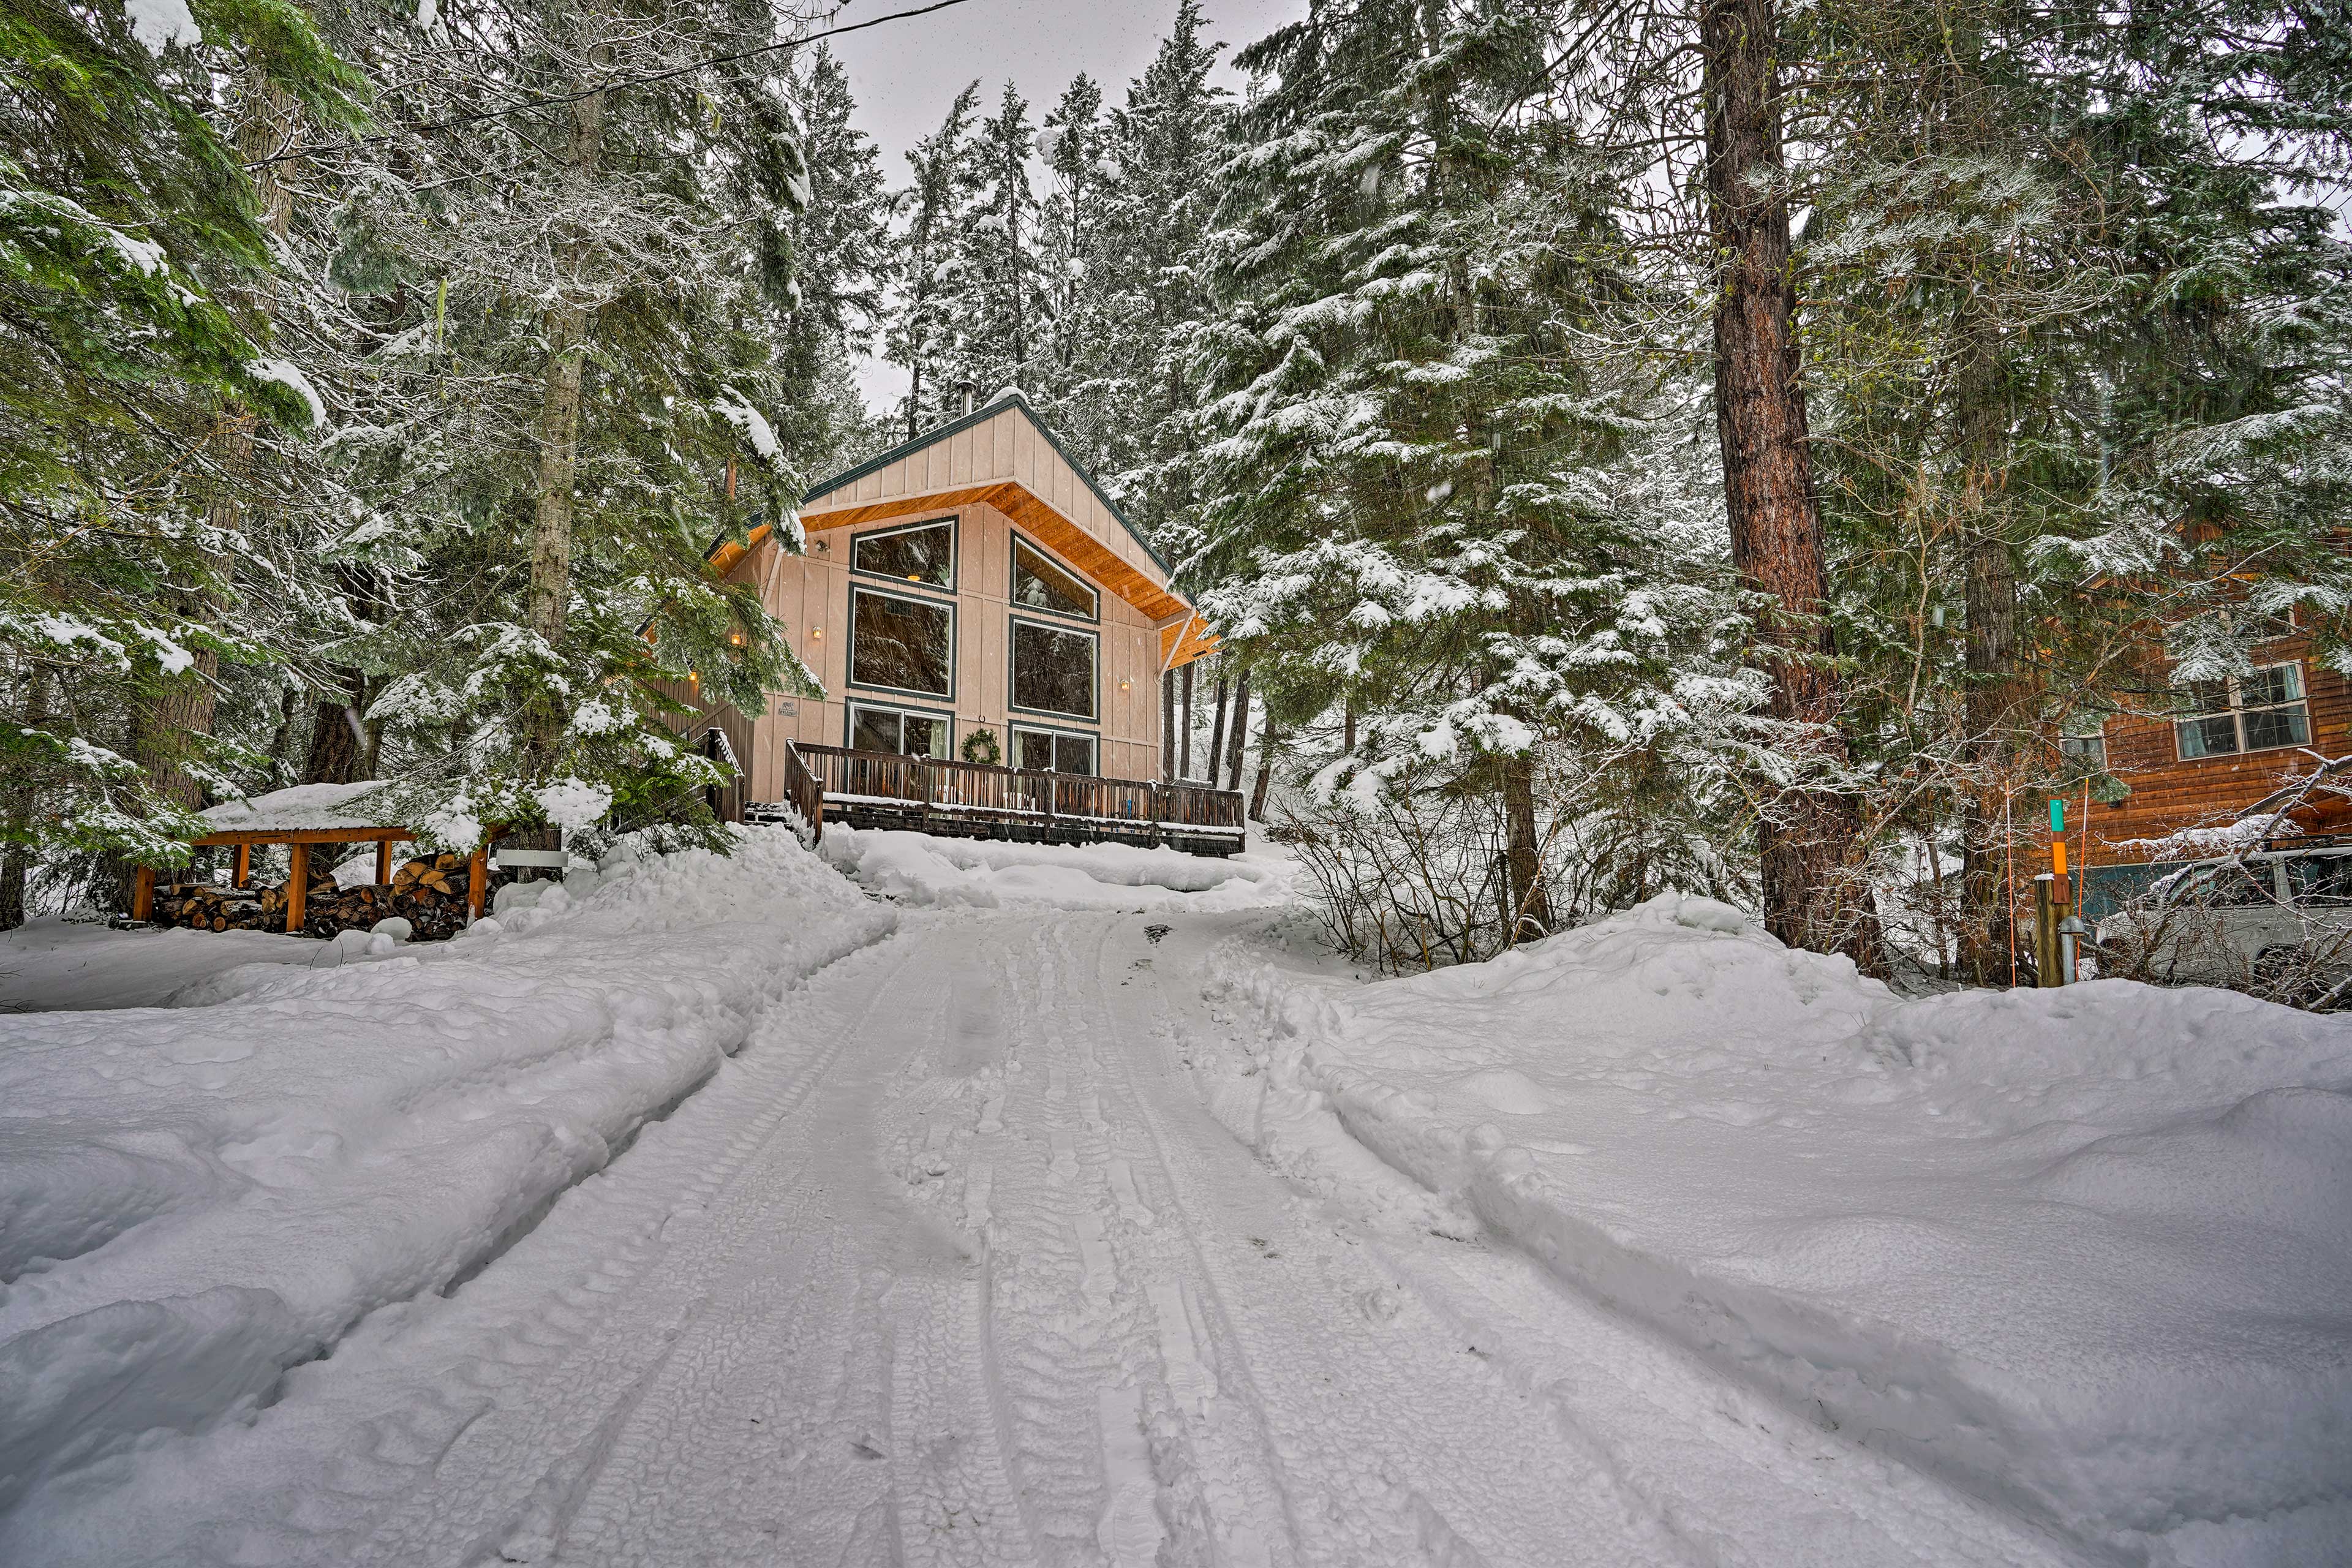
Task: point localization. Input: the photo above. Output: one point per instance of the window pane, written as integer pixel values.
(2205, 697)
(1073, 755)
(917, 554)
(871, 729)
(1053, 670)
(2280, 683)
(899, 643)
(1042, 586)
(926, 737)
(2277, 727)
(2321, 879)
(1032, 750)
(2209, 737)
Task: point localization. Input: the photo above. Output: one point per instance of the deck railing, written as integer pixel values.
(803, 793)
(980, 793)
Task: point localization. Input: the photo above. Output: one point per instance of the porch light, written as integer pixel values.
(735, 637)
(816, 634)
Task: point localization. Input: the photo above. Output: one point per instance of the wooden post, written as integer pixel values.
(2045, 930)
(478, 881)
(382, 861)
(298, 887)
(245, 864)
(142, 893)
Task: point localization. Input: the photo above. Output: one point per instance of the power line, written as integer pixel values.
(557, 100)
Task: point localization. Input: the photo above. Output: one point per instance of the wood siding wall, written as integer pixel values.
(2168, 795)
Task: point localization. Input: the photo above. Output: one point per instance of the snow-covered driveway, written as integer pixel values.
(951, 1264)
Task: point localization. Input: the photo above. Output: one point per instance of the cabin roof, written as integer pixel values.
(1098, 539)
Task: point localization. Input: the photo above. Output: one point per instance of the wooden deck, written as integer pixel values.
(972, 800)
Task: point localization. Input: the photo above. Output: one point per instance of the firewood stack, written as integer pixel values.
(428, 892)
(200, 906)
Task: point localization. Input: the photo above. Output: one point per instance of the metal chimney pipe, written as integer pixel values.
(968, 387)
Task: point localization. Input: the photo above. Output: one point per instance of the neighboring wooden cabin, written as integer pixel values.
(2247, 740)
(972, 579)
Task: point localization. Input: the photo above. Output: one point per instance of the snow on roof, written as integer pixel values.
(303, 808)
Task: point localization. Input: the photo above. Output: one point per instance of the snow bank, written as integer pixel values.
(193, 1199)
(48, 963)
(978, 873)
(2087, 1253)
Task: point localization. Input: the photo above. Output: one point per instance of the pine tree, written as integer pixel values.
(135, 375)
(1432, 500)
(992, 307)
(1132, 394)
(566, 327)
(843, 266)
(935, 212)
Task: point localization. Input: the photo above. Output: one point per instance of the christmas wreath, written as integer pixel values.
(981, 747)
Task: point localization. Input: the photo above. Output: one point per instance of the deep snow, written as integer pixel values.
(1655, 1243)
(48, 964)
(984, 874)
(2087, 1253)
(194, 1198)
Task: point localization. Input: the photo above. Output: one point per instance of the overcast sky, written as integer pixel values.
(905, 73)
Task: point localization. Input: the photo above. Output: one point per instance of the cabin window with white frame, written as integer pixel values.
(923, 554)
(1048, 750)
(2257, 712)
(1038, 583)
(1053, 670)
(901, 644)
(895, 730)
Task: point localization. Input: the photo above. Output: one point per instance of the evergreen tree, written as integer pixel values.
(841, 247)
(135, 371)
(935, 213)
(1004, 307)
(1132, 394)
(566, 327)
(1433, 502)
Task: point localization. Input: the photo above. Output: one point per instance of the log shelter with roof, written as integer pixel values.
(993, 638)
(300, 817)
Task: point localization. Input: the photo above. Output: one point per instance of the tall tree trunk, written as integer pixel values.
(1240, 730)
(1266, 743)
(565, 327)
(1184, 735)
(1997, 693)
(16, 808)
(1810, 899)
(1522, 854)
(337, 742)
(1217, 729)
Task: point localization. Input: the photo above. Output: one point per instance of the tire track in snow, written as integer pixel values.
(1729, 1477)
(1360, 1487)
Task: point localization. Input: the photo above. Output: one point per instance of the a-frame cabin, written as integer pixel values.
(970, 586)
